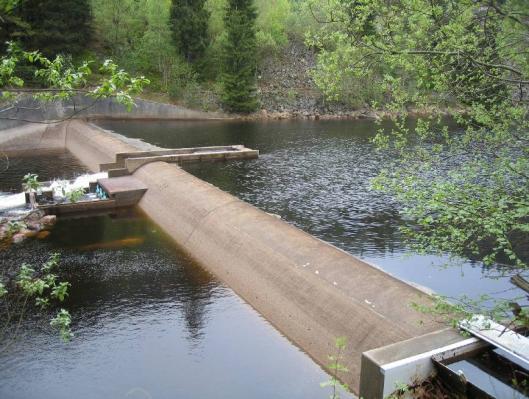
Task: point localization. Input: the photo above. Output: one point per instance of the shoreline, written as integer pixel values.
(362, 113)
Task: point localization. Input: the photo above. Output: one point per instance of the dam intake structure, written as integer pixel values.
(309, 290)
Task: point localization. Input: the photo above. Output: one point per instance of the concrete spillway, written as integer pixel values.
(308, 289)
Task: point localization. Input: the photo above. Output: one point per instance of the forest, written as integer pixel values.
(180, 45)
(444, 82)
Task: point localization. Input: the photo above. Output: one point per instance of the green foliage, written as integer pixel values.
(239, 57)
(11, 26)
(62, 81)
(337, 368)
(3, 290)
(14, 226)
(189, 25)
(457, 311)
(138, 34)
(75, 195)
(41, 285)
(402, 390)
(62, 321)
(60, 291)
(119, 25)
(31, 182)
(56, 26)
(271, 25)
(467, 189)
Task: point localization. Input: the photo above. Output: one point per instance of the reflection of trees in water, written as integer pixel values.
(152, 280)
(153, 283)
(135, 278)
(196, 294)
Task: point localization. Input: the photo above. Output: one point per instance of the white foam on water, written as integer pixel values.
(59, 187)
(11, 201)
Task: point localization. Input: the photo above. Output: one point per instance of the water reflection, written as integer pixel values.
(144, 273)
(146, 320)
(316, 175)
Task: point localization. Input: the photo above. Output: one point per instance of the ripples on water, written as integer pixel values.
(148, 323)
(316, 175)
(49, 164)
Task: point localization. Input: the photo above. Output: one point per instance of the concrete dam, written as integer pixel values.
(311, 291)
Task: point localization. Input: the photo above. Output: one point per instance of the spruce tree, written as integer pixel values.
(239, 57)
(189, 24)
(56, 26)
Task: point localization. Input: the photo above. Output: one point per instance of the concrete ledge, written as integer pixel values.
(33, 137)
(30, 110)
(407, 362)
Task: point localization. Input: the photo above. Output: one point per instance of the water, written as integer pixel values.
(151, 324)
(315, 175)
(148, 323)
(49, 164)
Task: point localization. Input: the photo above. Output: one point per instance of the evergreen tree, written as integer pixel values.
(189, 24)
(56, 26)
(11, 26)
(239, 57)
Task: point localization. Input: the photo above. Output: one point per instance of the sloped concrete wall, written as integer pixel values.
(29, 110)
(309, 290)
(33, 137)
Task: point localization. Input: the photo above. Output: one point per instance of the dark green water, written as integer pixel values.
(49, 164)
(148, 323)
(315, 175)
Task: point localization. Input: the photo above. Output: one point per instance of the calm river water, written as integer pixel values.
(316, 175)
(149, 323)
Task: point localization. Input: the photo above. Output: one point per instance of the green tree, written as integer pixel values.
(154, 52)
(119, 26)
(273, 16)
(25, 288)
(62, 81)
(11, 26)
(189, 24)
(467, 190)
(239, 57)
(56, 26)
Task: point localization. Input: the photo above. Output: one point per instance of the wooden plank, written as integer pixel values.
(500, 336)
(132, 164)
(120, 157)
(78, 207)
(115, 185)
(520, 282)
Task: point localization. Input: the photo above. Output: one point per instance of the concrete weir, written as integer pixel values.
(308, 289)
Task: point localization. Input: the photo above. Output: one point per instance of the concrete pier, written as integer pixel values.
(309, 290)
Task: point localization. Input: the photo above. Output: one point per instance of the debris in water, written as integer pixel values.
(43, 234)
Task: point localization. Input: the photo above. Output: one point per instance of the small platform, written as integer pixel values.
(120, 192)
(78, 207)
(128, 162)
(125, 190)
